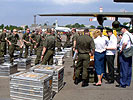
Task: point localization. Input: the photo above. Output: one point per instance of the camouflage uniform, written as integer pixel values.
(84, 45)
(13, 39)
(2, 44)
(26, 37)
(39, 40)
(58, 42)
(49, 44)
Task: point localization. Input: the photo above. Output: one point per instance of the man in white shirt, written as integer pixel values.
(110, 54)
(125, 63)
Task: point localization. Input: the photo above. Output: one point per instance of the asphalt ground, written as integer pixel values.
(70, 91)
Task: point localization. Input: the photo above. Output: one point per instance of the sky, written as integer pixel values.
(21, 12)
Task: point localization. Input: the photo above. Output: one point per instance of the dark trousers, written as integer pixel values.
(83, 63)
(110, 63)
(125, 70)
(12, 48)
(48, 57)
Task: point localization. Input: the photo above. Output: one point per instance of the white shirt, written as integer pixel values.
(100, 43)
(112, 43)
(125, 39)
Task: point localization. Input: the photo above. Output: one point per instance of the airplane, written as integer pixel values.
(61, 29)
(101, 16)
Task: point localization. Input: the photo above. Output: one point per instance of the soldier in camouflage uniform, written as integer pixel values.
(40, 39)
(68, 37)
(58, 41)
(26, 40)
(12, 40)
(3, 43)
(85, 48)
(74, 39)
(33, 42)
(48, 49)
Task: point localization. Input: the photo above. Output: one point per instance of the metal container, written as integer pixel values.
(23, 63)
(60, 59)
(33, 58)
(61, 53)
(31, 86)
(68, 51)
(7, 69)
(56, 71)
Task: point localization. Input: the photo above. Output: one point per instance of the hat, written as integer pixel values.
(124, 26)
(108, 29)
(100, 28)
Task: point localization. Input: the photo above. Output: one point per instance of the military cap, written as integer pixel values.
(108, 29)
(124, 26)
(100, 28)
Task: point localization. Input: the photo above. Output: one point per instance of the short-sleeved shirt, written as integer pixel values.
(125, 39)
(13, 38)
(26, 36)
(100, 44)
(85, 44)
(75, 36)
(112, 43)
(49, 43)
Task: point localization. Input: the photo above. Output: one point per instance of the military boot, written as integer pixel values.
(84, 83)
(76, 81)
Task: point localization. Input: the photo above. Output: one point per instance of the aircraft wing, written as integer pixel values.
(104, 14)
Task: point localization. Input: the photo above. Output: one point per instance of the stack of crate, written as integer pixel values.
(68, 51)
(61, 53)
(23, 63)
(33, 58)
(7, 58)
(7, 69)
(56, 71)
(31, 86)
(60, 59)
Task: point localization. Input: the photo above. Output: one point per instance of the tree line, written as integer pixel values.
(10, 27)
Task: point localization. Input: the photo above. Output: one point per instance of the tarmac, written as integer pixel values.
(70, 91)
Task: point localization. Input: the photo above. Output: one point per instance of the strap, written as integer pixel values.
(130, 38)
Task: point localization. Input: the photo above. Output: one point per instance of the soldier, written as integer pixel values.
(39, 46)
(12, 40)
(48, 49)
(68, 37)
(58, 41)
(85, 47)
(26, 40)
(33, 42)
(3, 43)
(74, 39)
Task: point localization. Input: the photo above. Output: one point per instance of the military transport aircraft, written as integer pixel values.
(101, 16)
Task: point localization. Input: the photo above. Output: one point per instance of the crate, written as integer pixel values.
(31, 86)
(59, 59)
(68, 51)
(7, 69)
(61, 53)
(23, 63)
(33, 58)
(56, 71)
